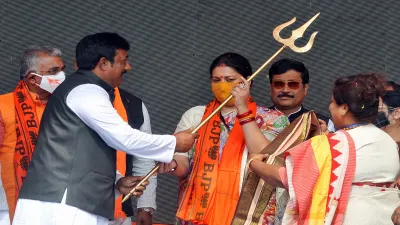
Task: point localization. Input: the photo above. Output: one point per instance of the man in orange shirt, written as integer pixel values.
(41, 71)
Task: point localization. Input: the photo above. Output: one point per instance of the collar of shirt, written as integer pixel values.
(292, 116)
(110, 90)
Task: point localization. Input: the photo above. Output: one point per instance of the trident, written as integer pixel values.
(288, 42)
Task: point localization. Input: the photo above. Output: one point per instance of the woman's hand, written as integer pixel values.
(396, 216)
(168, 167)
(259, 157)
(324, 126)
(241, 92)
(179, 166)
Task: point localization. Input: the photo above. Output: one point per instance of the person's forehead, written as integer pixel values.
(46, 57)
(288, 75)
(224, 71)
(50, 61)
(121, 53)
(389, 88)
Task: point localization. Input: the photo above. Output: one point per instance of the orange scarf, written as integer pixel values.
(212, 193)
(121, 156)
(27, 128)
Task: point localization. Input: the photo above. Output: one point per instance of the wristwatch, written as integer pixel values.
(147, 209)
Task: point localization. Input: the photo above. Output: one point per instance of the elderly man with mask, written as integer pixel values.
(41, 71)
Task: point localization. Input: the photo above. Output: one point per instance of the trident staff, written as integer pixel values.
(288, 42)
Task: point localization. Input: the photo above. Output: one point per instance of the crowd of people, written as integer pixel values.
(72, 146)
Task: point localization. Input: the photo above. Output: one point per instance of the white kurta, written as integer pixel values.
(92, 105)
(377, 161)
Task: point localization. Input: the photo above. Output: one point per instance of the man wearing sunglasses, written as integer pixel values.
(41, 71)
(289, 86)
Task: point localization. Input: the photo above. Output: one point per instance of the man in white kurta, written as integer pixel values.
(91, 103)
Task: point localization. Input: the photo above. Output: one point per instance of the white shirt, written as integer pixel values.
(92, 105)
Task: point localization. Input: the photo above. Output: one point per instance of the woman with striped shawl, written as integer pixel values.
(347, 177)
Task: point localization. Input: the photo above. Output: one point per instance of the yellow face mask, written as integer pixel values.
(222, 90)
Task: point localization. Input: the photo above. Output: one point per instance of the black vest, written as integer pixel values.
(70, 155)
(134, 111)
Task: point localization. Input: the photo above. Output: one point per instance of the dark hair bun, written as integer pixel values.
(361, 94)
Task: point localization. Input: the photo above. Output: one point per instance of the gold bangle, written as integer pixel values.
(251, 160)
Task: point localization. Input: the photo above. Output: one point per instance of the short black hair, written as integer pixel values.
(394, 85)
(235, 61)
(284, 65)
(392, 99)
(95, 46)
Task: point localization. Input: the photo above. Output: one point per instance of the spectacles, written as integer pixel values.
(387, 109)
(52, 71)
(294, 85)
(381, 107)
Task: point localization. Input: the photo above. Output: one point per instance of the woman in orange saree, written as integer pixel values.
(213, 171)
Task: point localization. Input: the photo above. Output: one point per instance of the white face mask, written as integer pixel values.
(50, 82)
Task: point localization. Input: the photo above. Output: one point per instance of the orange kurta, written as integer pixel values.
(7, 148)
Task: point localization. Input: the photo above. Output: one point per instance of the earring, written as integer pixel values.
(396, 115)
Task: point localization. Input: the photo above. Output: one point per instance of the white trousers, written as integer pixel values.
(32, 212)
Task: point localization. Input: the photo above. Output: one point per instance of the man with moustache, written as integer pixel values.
(72, 175)
(289, 81)
(133, 110)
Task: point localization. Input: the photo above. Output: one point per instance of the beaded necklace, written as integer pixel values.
(352, 126)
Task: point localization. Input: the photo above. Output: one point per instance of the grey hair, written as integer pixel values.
(30, 57)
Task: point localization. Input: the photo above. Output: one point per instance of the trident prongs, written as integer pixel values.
(296, 34)
(288, 42)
